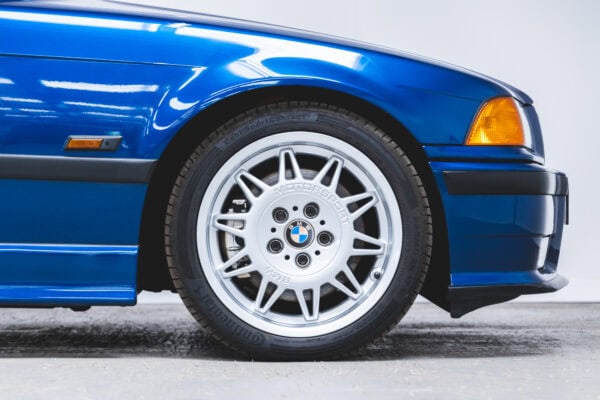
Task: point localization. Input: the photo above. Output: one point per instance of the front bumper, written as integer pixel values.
(505, 224)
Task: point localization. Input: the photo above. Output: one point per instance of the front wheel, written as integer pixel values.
(298, 231)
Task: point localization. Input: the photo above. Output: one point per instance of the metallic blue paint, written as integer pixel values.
(67, 275)
(495, 239)
(66, 72)
(188, 68)
(70, 212)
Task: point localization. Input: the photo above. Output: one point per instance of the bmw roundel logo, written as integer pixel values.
(299, 233)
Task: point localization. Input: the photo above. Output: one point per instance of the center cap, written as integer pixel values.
(299, 233)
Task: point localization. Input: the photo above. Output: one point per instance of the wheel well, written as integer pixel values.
(152, 270)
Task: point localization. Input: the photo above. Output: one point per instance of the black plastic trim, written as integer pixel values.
(465, 299)
(458, 153)
(506, 182)
(85, 169)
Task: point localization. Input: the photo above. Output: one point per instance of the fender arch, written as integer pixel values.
(153, 274)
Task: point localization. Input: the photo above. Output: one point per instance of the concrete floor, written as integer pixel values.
(512, 351)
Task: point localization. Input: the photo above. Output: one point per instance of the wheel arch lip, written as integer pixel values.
(409, 89)
(409, 106)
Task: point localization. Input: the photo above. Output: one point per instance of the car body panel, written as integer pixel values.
(67, 275)
(510, 226)
(87, 68)
(230, 62)
(40, 211)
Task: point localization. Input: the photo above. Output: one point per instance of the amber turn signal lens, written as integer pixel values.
(497, 123)
(83, 144)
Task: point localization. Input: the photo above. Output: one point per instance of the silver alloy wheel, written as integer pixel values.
(239, 247)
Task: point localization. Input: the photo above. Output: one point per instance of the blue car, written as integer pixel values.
(297, 190)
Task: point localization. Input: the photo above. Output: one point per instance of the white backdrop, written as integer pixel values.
(550, 49)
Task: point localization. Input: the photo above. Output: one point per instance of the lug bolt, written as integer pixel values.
(275, 246)
(302, 260)
(325, 238)
(311, 210)
(280, 215)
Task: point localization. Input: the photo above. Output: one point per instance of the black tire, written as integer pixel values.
(187, 196)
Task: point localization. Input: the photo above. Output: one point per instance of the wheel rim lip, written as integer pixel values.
(388, 262)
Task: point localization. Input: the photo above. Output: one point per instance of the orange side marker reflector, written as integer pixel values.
(83, 144)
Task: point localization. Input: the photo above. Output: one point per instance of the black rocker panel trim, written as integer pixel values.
(506, 182)
(468, 298)
(84, 169)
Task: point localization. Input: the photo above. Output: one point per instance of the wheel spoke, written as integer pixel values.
(222, 269)
(370, 196)
(236, 258)
(282, 169)
(316, 298)
(350, 275)
(240, 271)
(366, 252)
(368, 239)
(244, 186)
(231, 217)
(354, 294)
(378, 245)
(313, 314)
(261, 296)
(357, 197)
(229, 229)
(283, 156)
(261, 293)
(303, 305)
(335, 179)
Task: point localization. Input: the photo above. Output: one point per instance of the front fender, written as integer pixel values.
(191, 66)
(432, 117)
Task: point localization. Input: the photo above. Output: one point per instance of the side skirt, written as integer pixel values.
(64, 275)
